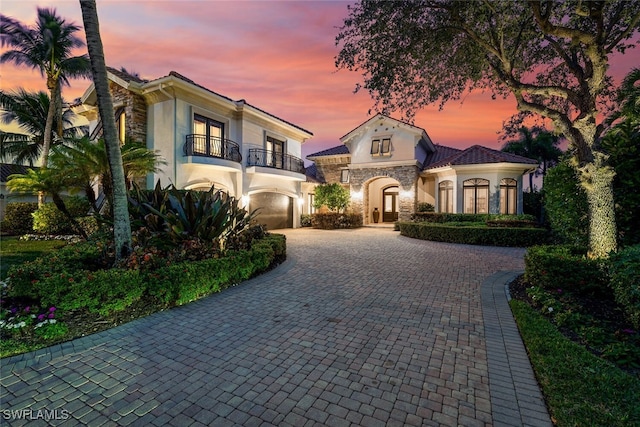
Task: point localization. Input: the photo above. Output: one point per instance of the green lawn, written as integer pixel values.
(579, 388)
(14, 251)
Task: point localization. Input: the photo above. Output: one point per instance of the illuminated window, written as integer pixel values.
(121, 125)
(445, 196)
(312, 201)
(508, 196)
(476, 196)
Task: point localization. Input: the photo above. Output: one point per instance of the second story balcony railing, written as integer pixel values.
(274, 159)
(220, 148)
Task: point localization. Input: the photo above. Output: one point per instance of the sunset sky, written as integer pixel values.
(277, 55)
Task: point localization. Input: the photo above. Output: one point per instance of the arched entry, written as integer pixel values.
(390, 203)
(382, 194)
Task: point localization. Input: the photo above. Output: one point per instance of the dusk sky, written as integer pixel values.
(277, 55)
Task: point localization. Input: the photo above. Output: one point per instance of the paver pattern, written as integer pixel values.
(357, 327)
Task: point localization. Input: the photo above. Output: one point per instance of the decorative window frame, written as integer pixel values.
(381, 146)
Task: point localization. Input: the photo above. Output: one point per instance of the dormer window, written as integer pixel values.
(381, 147)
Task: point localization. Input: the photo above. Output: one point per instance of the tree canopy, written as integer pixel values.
(551, 56)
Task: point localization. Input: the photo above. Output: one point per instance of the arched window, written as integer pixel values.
(508, 196)
(445, 196)
(476, 195)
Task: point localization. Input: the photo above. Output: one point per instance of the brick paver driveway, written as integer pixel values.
(358, 327)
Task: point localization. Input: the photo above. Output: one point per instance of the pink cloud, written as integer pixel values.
(278, 55)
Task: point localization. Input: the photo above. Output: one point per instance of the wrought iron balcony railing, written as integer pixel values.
(220, 148)
(274, 159)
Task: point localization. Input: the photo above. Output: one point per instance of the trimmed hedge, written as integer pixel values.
(497, 220)
(625, 282)
(18, 218)
(552, 266)
(58, 281)
(333, 220)
(48, 219)
(473, 234)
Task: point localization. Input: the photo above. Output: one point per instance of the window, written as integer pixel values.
(344, 176)
(121, 126)
(275, 152)
(508, 196)
(476, 195)
(445, 196)
(208, 136)
(381, 147)
(312, 201)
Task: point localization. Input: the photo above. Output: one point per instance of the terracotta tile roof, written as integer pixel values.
(7, 169)
(333, 151)
(478, 154)
(442, 152)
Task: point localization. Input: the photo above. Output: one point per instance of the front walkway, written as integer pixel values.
(357, 327)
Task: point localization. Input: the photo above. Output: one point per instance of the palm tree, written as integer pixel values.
(535, 143)
(86, 161)
(121, 222)
(29, 111)
(47, 47)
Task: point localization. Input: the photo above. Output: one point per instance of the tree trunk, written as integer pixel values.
(121, 223)
(52, 85)
(597, 180)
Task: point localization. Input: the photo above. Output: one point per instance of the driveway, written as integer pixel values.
(357, 327)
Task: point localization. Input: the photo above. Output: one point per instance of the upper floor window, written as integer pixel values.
(275, 152)
(381, 147)
(445, 196)
(344, 176)
(508, 196)
(121, 126)
(209, 135)
(476, 196)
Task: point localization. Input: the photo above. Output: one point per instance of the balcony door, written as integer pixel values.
(275, 153)
(390, 204)
(210, 136)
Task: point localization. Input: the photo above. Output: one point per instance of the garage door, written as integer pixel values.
(275, 210)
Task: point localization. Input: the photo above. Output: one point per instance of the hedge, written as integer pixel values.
(18, 218)
(625, 282)
(56, 282)
(332, 220)
(551, 265)
(474, 234)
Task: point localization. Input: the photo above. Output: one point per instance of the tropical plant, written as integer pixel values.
(551, 56)
(121, 224)
(86, 161)
(535, 143)
(47, 47)
(209, 216)
(333, 196)
(29, 111)
(46, 181)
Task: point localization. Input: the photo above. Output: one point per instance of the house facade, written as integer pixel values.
(390, 166)
(209, 139)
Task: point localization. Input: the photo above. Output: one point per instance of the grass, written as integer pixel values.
(14, 251)
(580, 388)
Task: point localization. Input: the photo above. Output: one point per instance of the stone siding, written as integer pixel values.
(135, 109)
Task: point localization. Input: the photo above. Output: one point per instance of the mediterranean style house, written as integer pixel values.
(208, 139)
(390, 166)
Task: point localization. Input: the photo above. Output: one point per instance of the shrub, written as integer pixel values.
(625, 282)
(48, 219)
(474, 234)
(332, 220)
(18, 218)
(426, 207)
(333, 196)
(305, 220)
(441, 217)
(551, 265)
(532, 204)
(565, 203)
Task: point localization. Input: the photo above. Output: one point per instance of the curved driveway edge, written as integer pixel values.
(357, 327)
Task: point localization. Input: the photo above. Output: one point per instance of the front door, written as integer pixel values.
(390, 204)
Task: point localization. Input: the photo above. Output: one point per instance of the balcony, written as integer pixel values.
(212, 147)
(275, 160)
